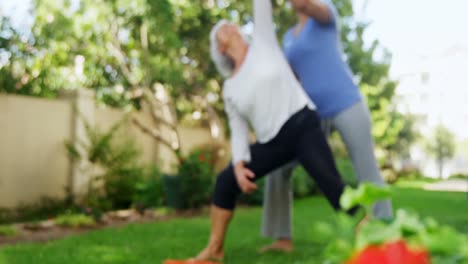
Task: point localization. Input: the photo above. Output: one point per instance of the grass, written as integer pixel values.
(154, 242)
(74, 220)
(415, 183)
(8, 230)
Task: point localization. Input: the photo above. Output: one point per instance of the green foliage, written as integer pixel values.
(16, 52)
(44, 208)
(196, 175)
(181, 238)
(120, 186)
(346, 169)
(303, 185)
(8, 230)
(119, 47)
(441, 145)
(122, 181)
(409, 174)
(442, 242)
(163, 211)
(365, 195)
(172, 191)
(218, 153)
(405, 134)
(460, 176)
(74, 220)
(149, 190)
(376, 233)
(418, 183)
(110, 45)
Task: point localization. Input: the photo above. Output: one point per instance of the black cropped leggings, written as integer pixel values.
(299, 139)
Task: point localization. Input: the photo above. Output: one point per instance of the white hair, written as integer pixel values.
(223, 63)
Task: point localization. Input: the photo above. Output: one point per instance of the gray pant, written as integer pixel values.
(354, 127)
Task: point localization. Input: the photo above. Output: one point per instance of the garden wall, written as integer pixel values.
(33, 159)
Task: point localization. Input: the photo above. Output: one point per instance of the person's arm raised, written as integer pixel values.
(263, 19)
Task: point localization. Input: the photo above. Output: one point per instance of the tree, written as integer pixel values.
(406, 136)
(121, 48)
(441, 145)
(15, 53)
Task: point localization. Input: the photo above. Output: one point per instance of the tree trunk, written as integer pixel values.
(440, 164)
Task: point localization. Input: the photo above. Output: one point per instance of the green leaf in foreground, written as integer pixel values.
(409, 223)
(376, 233)
(366, 195)
(323, 232)
(445, 241)
(338, 250)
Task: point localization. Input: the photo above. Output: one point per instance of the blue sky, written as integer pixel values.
(413, 29)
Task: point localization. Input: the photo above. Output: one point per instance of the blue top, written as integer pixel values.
(317, 58)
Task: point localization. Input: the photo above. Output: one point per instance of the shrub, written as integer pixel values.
(346, 169)
(163, 211)
(196, 177)
(218, 153)
(348, 238)
(303, 185)
(149, 190)
(121, 177)
(74, 220)
(389, 175)
(43, 209)
(8, 230)
(459, 176)
(120, 187)
(409, 174)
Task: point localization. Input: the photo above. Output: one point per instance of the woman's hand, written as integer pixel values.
(299, 5)
(244, 177)
(313, 8)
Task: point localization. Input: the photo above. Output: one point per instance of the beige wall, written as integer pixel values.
(107, 117)
(190, 137)
(33, 162)
(33, 159)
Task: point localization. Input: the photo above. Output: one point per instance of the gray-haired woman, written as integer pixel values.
(261, 89)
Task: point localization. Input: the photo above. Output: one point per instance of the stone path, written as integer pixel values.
(448, 185)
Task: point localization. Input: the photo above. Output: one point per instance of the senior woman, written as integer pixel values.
(261, 89)
(313, 49)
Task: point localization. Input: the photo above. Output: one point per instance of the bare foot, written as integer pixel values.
(283, 245)
(209, 254)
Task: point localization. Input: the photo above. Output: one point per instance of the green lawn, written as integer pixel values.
(154, 242)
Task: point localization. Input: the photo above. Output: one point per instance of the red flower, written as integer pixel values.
(201, 158)
(391, 253)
